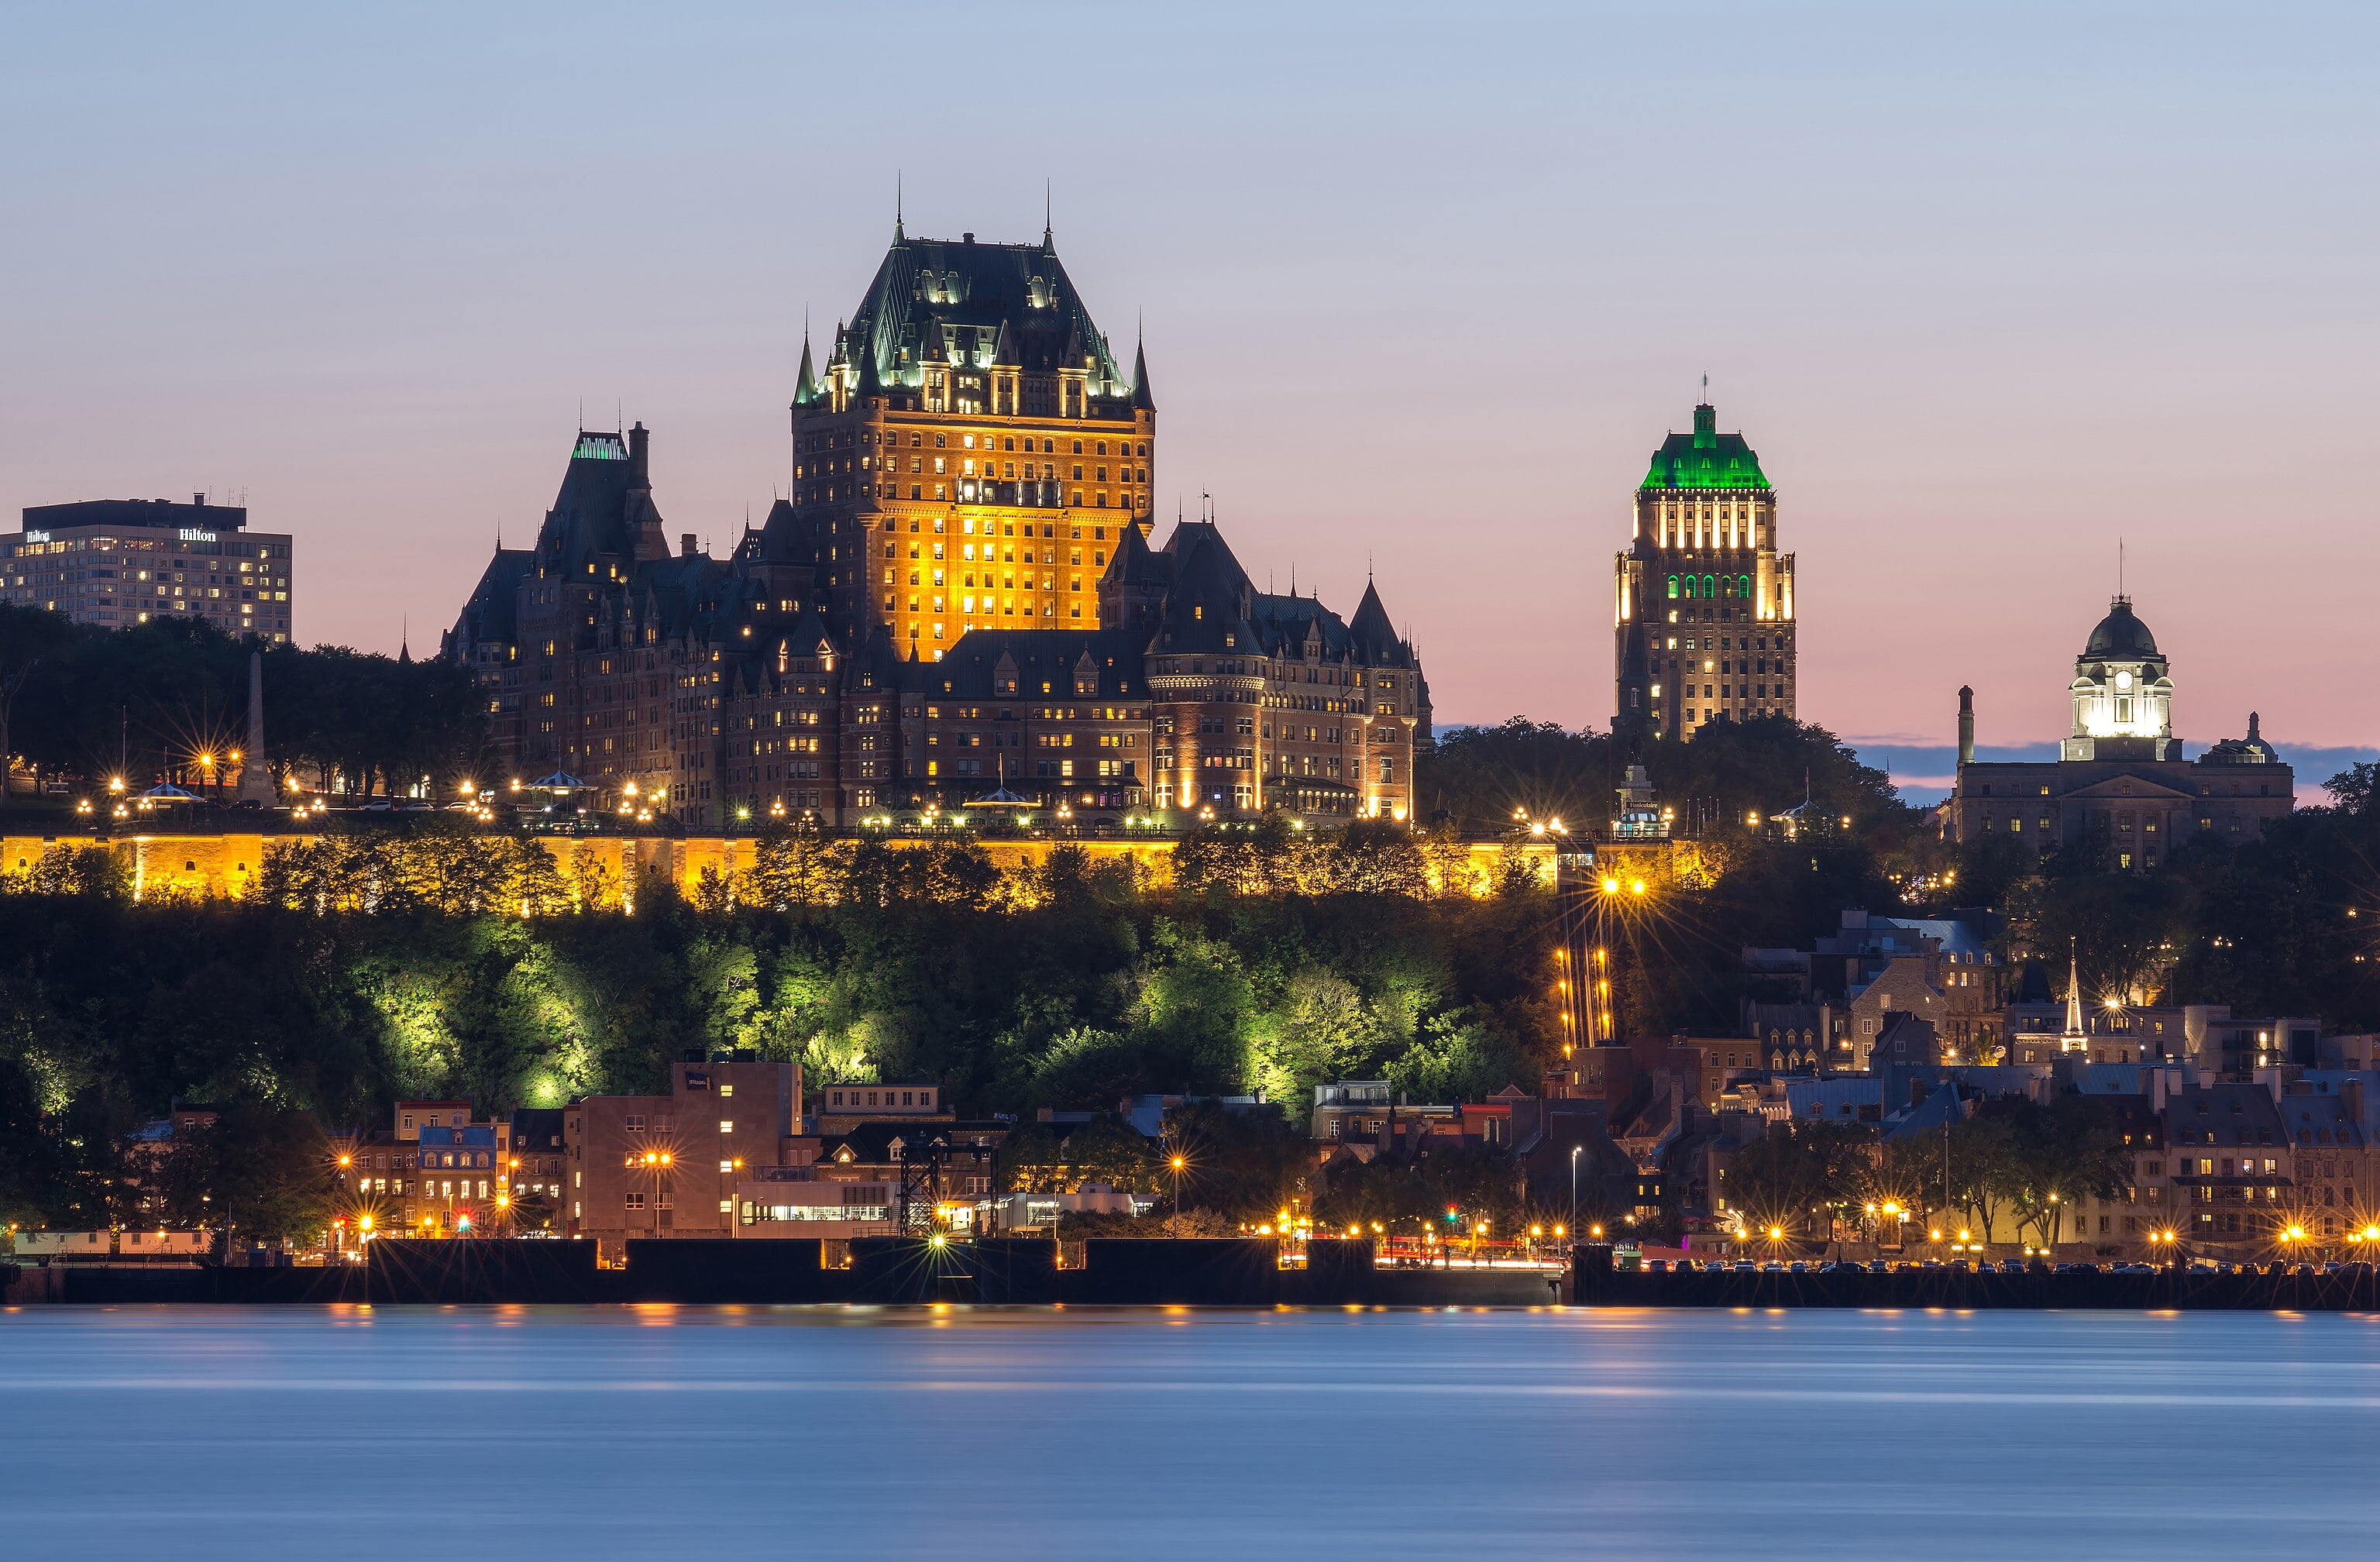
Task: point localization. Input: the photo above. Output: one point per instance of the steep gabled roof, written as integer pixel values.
(606, 504)
(491, 613)
(1208, 606)
(1135, 563)
(1291, 624)
(1375, 637)
(933, 299)
(971, 669)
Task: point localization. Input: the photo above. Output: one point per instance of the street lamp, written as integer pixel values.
(657, 1162)
(1574, 1182)
(733, 1166)
(1177, 1163)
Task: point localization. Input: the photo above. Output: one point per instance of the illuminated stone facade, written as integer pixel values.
(2121, 777)
(929, 619)
(223, 867)
(118, 562)
(972, 455)
(1703, 601)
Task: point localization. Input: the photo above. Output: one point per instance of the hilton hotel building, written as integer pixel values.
(118, 562)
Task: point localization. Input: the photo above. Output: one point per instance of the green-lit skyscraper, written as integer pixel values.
(1702, 601)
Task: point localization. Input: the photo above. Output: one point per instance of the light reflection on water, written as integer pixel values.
(670, 1432)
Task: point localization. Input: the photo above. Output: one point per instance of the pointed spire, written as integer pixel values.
(1047, 243)
(1371, 628)
(2075, 1039)
(1141, 398)
(405, 641)
(898, 236)
(806, 384)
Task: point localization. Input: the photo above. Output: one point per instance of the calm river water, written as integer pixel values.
(671, 1433)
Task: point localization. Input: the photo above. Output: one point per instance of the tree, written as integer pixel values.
(2354, 789)
(2057, 1155)
(1244, 1165)
(1474, 778)
(259, 1172)
(28, 637)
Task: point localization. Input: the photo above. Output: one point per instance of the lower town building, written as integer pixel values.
(2206, 1035)
(669, 1164)
(894, 1175)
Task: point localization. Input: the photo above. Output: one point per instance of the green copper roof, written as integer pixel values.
(1705, 458)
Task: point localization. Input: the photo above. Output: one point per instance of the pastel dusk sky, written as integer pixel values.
(1989, 286)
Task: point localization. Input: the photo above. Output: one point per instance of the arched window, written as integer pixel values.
(1744, 585)
(1673, 588)
(1689, 588)
(1709, 590)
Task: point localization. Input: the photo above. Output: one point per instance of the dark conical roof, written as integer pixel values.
(1141, 396)
(1374, 634)
(1206, 608)
(2120, 634)
(806, 385)
(1135, 561)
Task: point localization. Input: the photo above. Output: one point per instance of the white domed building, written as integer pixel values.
(2120, 774)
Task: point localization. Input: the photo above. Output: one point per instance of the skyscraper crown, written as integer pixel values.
(1705, 458)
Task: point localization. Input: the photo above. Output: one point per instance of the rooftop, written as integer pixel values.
(1705, 458)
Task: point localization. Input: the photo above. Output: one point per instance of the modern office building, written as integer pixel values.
(118, 562)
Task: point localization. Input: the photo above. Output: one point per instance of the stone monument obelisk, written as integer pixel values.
(255, 780)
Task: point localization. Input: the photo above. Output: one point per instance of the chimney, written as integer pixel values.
(1966, 725)
(686, 543)
(636, 445)
(200, 500)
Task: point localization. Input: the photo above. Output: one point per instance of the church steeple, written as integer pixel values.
(2073, 1038)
